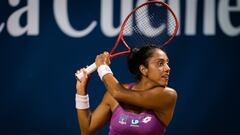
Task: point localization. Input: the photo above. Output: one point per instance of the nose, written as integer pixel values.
(167, 68)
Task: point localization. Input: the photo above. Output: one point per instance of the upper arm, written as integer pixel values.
(156, 98)
(101, 114)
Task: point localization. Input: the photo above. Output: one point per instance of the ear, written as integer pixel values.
(143, 70)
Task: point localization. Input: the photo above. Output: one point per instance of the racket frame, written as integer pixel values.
(93, 67)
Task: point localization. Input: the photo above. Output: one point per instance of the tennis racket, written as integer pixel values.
(151, 23)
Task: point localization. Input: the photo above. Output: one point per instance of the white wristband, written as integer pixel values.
(82, 102)
(103, 70)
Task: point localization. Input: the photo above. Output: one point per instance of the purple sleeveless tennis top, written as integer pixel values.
(130, 123)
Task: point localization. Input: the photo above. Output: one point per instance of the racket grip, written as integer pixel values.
(89, 70)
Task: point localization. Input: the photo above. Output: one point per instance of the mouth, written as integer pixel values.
(165, 77)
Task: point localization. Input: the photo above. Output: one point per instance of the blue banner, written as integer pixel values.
(43, 43)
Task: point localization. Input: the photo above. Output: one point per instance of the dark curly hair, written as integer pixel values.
(139, 57)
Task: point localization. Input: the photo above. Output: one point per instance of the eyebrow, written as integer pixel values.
(160, 59)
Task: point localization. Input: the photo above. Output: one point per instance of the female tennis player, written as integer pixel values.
(144, 107)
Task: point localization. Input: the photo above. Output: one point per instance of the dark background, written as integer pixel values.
(37, 86)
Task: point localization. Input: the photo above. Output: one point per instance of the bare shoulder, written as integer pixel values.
(165, 91)
(170, 93)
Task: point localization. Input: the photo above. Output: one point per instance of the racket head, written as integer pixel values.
(151, 23)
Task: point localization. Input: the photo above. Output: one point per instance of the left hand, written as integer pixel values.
(103, 58)
(81, 84)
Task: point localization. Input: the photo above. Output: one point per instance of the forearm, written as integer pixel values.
(83, 112)
(84, 118)
(90, 122)
(110, 82)
(113, 86)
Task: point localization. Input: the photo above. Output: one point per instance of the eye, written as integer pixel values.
(160, 64)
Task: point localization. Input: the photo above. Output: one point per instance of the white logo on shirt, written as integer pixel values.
(147, 119)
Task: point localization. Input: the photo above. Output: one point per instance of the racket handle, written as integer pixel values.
(89, 70)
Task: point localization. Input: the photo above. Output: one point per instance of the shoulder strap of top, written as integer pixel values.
(130, 85)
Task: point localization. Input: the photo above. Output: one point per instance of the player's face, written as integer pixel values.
(158, 68)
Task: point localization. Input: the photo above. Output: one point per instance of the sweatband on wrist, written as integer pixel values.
(82, 102)
(103, 70)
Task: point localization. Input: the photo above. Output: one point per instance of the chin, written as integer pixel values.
(163, 84)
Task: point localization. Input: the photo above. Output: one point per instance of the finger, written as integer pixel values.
(105, 53)
(77, 78)
(108, 61)
(77, 74)
(85, 73)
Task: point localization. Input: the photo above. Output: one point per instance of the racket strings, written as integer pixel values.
(149, 24)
